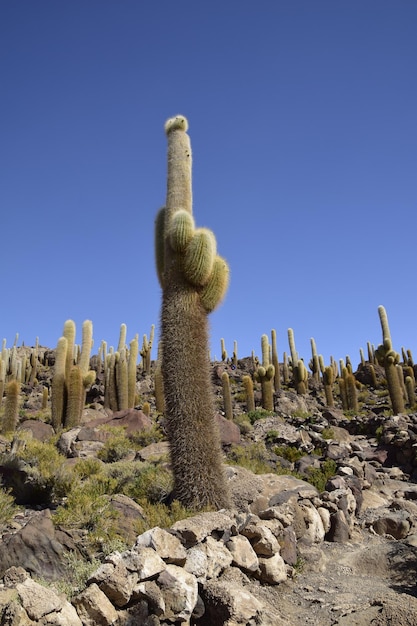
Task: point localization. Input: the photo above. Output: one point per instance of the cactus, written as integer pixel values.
(300, 374)
(328, 380)
(314, 363)
(410, 385)
(234, 355)
(147, 350)
(223, 350)
(388, 358)
(193, 280)
(131, 372)
(75, 398)
(249, 395)
(227, 396)
(275, 361)
(59, 388)
(265, 375)
(351, 392)
(122, 380)
(11, 407)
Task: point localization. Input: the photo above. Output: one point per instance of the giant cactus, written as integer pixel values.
(194, 280)
(389, 359)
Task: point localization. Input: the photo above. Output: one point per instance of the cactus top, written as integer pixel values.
(179, 122)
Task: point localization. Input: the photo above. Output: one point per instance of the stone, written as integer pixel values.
(154, 451)
(193, 530)
(115, 581)
(67, 616)
(226, 601)
(262, 540)
(94, 608)
(144, 561)
(169, 547)
(229, 431)
(244, 556)
(394, 524)
(35, 548)
(180, 592)
(273, 570)
(37, 600)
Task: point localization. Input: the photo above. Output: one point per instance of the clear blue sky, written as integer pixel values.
(303, 123)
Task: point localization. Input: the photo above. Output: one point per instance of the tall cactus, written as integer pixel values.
(388, 358)
(194, 280)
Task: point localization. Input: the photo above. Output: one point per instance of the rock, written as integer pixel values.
(94, 608)
(128, 512)
(339, 528)
(261, 538)
(193, 530)
(169, 547)
(229, 431)
(272, 570)
(180, 592)
(243, 555)
(226, 601)
(395, 524)
(40, 431)
(115, 581)
(37, 600)
(35, 548)
(67, 616)
(154, 451)
(144, 561)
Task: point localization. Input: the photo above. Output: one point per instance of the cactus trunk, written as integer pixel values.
(193, 280)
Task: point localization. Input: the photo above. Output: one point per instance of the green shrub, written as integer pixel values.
(290, 453)
(253, 457)
(152, 482)
(327, 433)
(7, 506)
(47, 468)
(147, 436)
(318, 477)
(161, 515)
(258, 414)
(244, 423)
(117, 447)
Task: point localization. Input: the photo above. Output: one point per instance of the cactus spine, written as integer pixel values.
(193, 280)
(388, 358)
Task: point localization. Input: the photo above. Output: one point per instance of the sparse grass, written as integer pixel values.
(327, 433)
(253, 457)
(318, 477)
(161, 515)
(78, 571)
(117, 447)
(258, 414)
(147, 436)
(299, 413)
(244, 423)
(290, 453)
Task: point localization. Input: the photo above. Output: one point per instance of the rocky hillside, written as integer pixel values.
(323, 528)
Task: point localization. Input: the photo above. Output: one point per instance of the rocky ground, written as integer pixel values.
(337, 550)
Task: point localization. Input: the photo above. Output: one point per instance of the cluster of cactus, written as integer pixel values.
(72, 376)
(265, 375)
(194, 279)
(299, 370)
(120, 373)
